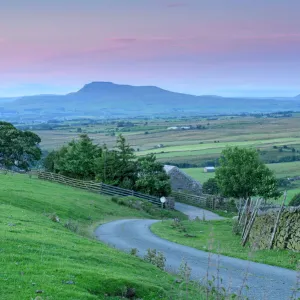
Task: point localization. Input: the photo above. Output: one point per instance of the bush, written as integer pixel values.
(72, 225)
(210, 187)
(295, 200)
(155, 258)
(54, 217)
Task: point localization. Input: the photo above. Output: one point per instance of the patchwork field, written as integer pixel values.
(277, 137)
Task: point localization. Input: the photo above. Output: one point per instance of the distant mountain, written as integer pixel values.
(297, 97)
(4, 100)
(109, 100)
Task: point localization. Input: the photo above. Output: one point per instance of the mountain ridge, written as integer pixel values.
(110, 100)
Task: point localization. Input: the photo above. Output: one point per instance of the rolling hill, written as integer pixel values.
(109, 100)
(45, 259)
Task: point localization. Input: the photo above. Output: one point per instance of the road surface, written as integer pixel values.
(194, 212)
(264, 281)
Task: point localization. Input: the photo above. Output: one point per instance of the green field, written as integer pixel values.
(281, 170)
(40, 257)
(217, 237)
(277, 138)
(199, 174)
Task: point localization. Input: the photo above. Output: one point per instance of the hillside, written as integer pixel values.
(39, 255)
(109, 100)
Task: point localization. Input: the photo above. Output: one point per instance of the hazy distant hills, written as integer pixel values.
(108, 100)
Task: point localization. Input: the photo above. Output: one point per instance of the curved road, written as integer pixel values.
(264, 281)
(193, 212)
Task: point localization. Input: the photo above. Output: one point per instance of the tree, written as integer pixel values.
(152, 179)
(19, 149)
(125, 164)
(77, 159)
(210, 187)
(49, 161)
(117, 167)
(106, 167)
(242, 175)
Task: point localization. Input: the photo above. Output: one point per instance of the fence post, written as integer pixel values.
(277, 221)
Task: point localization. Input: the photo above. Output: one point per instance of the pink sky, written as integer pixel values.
(220, 47)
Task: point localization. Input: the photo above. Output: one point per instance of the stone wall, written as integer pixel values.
(288, 231)
(182, 182)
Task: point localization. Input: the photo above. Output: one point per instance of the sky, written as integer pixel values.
(216, 47)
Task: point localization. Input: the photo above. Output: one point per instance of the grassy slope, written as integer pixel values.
(218, 235)
(39, 254)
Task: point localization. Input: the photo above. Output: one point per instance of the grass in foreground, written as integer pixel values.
(39, 255)
(218, 237)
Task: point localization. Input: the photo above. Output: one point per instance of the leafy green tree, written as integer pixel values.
(18, 148)
(243, 175)
(49, 161)
(106, 167)
(77, 160)
(117, 167)
(125, 163)
(152, 179)
(210, 187)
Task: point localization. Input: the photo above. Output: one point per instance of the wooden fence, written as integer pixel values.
(97, 187)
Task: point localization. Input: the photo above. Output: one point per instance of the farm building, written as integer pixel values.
(209, 169)
(173, 128)
(182, 182)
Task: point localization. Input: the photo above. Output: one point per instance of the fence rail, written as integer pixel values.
(97, 187)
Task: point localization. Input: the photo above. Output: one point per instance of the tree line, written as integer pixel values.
(241, 173)
(82, 159)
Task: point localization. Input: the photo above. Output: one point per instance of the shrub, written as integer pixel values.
(210, 187)
(134, 251)
(295, 200)
(155, 258)
(54, 217)
(72, 225)
(114, 199)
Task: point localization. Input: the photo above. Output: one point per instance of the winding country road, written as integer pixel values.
(193, 212)
(264, 281)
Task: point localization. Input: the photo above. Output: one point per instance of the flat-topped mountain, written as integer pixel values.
(106, 99)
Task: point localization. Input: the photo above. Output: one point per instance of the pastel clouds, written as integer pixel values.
(192, 43)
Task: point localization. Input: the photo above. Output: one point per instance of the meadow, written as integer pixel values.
(44, 259)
